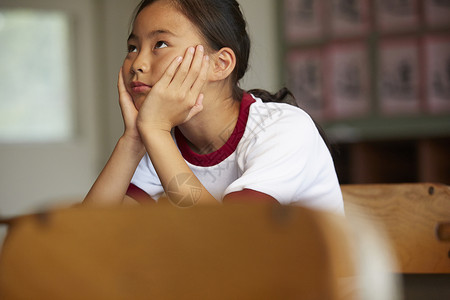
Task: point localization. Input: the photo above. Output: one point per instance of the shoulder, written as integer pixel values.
(278, 120)
(278, 132)
(275, 113)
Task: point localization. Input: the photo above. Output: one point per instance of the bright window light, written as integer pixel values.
(35, 85)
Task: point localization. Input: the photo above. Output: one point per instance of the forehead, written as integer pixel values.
(163, 16)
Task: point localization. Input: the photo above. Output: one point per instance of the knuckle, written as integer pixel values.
(203, 76)
(183, 72)
(170, 72)
(181, 95)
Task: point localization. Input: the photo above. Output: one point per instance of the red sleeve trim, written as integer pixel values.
(139, 195)
(249, 196)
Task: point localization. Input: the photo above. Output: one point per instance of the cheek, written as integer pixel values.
(126, 65)
(126, 73)
(159, 67)
(161, 64)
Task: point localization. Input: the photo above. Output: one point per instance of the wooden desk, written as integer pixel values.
(162, 252)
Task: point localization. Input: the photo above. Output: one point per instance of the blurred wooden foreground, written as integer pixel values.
(231, 251)
(163, 252)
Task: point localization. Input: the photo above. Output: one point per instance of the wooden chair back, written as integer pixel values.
(415, 217)
(161, 252)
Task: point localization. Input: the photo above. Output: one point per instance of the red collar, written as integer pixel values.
(214, 158)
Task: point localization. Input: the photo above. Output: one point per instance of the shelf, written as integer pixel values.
(379, 128)
(393, 161)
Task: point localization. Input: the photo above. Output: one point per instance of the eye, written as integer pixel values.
(132, 48)
(160, 45)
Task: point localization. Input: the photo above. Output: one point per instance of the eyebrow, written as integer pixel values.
(151, 34)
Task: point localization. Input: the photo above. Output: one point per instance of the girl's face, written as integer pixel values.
(160, 34)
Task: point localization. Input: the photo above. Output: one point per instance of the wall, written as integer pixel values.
(38, 174)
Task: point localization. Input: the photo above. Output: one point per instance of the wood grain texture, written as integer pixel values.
(410, 215)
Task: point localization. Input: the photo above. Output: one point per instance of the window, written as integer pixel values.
(35, 83)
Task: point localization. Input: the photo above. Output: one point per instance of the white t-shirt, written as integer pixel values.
(275, 149)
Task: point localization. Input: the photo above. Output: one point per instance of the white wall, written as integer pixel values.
(37, 175)
(261, 17)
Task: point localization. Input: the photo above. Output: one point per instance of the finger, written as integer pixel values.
(195, 67)
(124, 96)
(168, 75)
(202, 76)
(127, 107)
(198, 107)
(120, 83)
(185, 68)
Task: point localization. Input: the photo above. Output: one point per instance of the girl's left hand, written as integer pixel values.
(177, 96)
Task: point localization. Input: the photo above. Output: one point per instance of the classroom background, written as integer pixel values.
(374, 74)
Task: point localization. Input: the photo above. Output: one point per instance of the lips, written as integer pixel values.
(139, 87)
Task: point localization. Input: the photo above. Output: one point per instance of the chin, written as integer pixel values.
(138, 101)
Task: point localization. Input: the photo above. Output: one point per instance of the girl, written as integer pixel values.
(192, 134)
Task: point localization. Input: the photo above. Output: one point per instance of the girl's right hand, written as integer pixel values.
(129, 113)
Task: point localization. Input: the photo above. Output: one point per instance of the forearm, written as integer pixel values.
(112, 183)
(179, 182)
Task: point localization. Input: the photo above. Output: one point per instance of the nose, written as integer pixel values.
(140, 64)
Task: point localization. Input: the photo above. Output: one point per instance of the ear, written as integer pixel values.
(223, 64)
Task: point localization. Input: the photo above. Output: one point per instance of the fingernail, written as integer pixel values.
(200, 48)
(191, 49)
(207, 57)
(179, 58)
